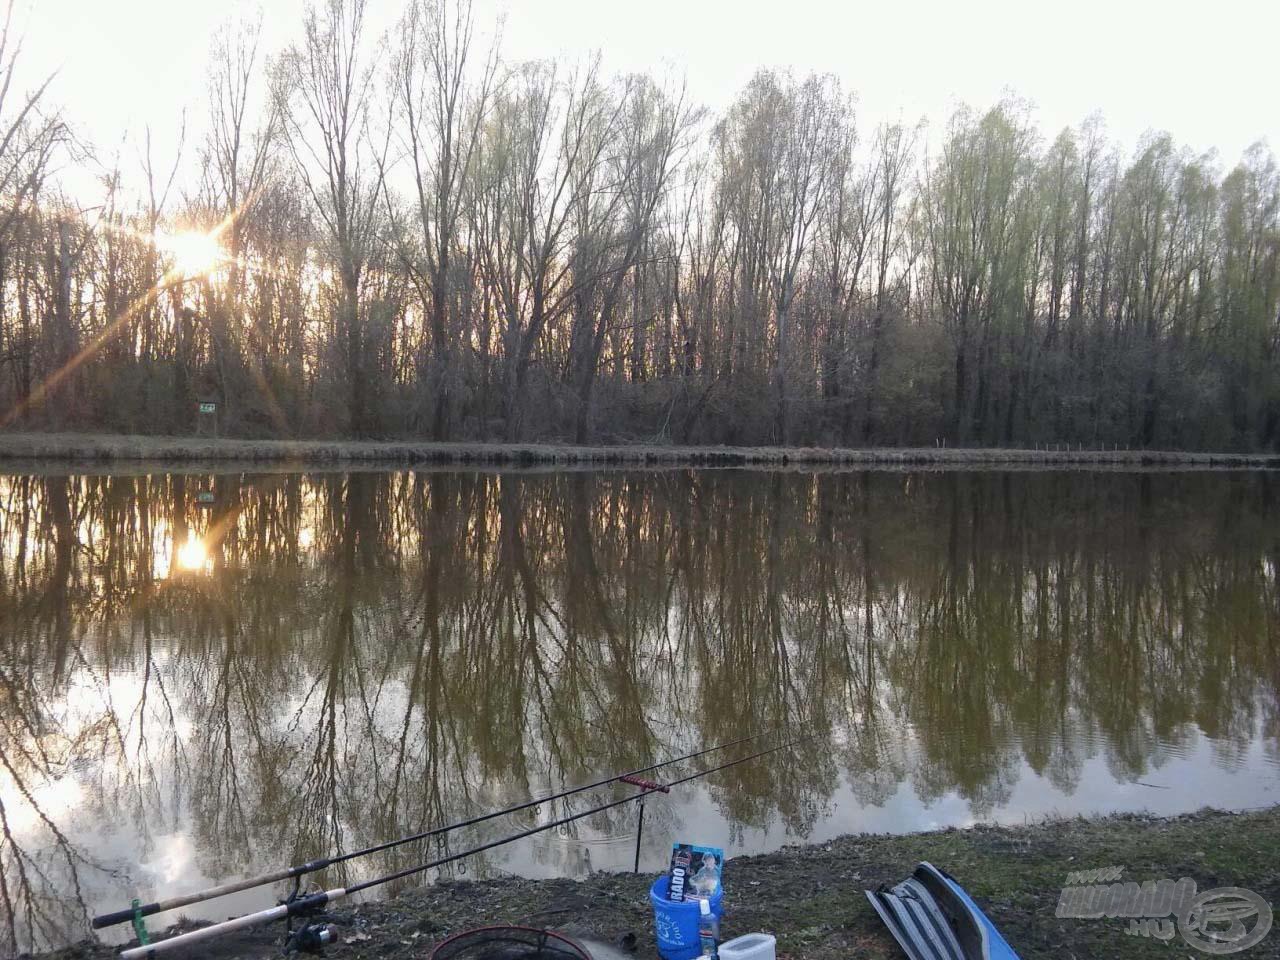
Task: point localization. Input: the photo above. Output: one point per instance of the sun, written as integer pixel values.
(192, 555)
(193, 253)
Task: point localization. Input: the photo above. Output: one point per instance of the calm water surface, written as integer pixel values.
(193, 692)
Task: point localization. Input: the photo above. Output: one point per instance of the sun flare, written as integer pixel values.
(192, 555)
(193, 253)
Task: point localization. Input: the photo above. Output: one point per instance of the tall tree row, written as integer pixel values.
(412, 237)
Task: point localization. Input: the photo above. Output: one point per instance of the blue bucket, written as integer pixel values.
(677, 923)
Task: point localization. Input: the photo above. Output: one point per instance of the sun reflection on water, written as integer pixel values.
(193, 555)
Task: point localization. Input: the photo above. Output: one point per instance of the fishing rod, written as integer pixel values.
(314, 903)
(139, 911)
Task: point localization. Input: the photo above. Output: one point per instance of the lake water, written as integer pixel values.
(197, 691)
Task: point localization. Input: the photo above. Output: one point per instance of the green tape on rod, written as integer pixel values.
(139, 925)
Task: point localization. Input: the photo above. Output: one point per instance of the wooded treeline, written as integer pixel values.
(421, 239)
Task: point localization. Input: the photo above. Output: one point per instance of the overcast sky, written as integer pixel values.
(1206, 72)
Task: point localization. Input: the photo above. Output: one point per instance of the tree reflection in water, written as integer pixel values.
(340, 659)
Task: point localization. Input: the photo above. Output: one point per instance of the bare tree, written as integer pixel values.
(615, 211)
(444, 111)
(547, 137)
(323, 94)
(893, 155)
(238, 157)
(29, 137)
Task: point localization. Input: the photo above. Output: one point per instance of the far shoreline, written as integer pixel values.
(127, 449)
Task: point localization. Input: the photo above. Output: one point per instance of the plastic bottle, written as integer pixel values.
(708, 930)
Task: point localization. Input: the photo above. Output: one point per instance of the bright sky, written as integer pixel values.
(1204, 71)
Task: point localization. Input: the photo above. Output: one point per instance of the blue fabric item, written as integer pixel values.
(933, 918)
(997, 947)
(676, 924)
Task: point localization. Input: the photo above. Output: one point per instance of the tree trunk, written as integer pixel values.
(959, 421)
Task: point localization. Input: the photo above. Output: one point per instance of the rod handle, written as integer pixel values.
(186, 899)
(238, 923)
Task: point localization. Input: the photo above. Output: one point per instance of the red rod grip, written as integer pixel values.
(644, 784)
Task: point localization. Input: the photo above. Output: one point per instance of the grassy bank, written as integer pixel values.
(91, 448)
(811, 897)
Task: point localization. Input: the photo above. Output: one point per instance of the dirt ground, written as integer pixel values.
(811, 897)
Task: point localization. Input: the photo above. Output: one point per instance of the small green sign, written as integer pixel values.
(206, 407)
(204, 496)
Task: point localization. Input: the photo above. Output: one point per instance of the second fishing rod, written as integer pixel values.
(311, 866)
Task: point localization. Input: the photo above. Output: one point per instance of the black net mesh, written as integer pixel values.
(509, 943)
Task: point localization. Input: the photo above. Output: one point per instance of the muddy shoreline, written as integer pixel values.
(811, 897)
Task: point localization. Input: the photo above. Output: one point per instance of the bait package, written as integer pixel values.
(695, 871)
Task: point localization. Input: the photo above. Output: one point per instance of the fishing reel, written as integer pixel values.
(310, 938)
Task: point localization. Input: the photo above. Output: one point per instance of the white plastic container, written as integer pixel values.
(750, 946)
